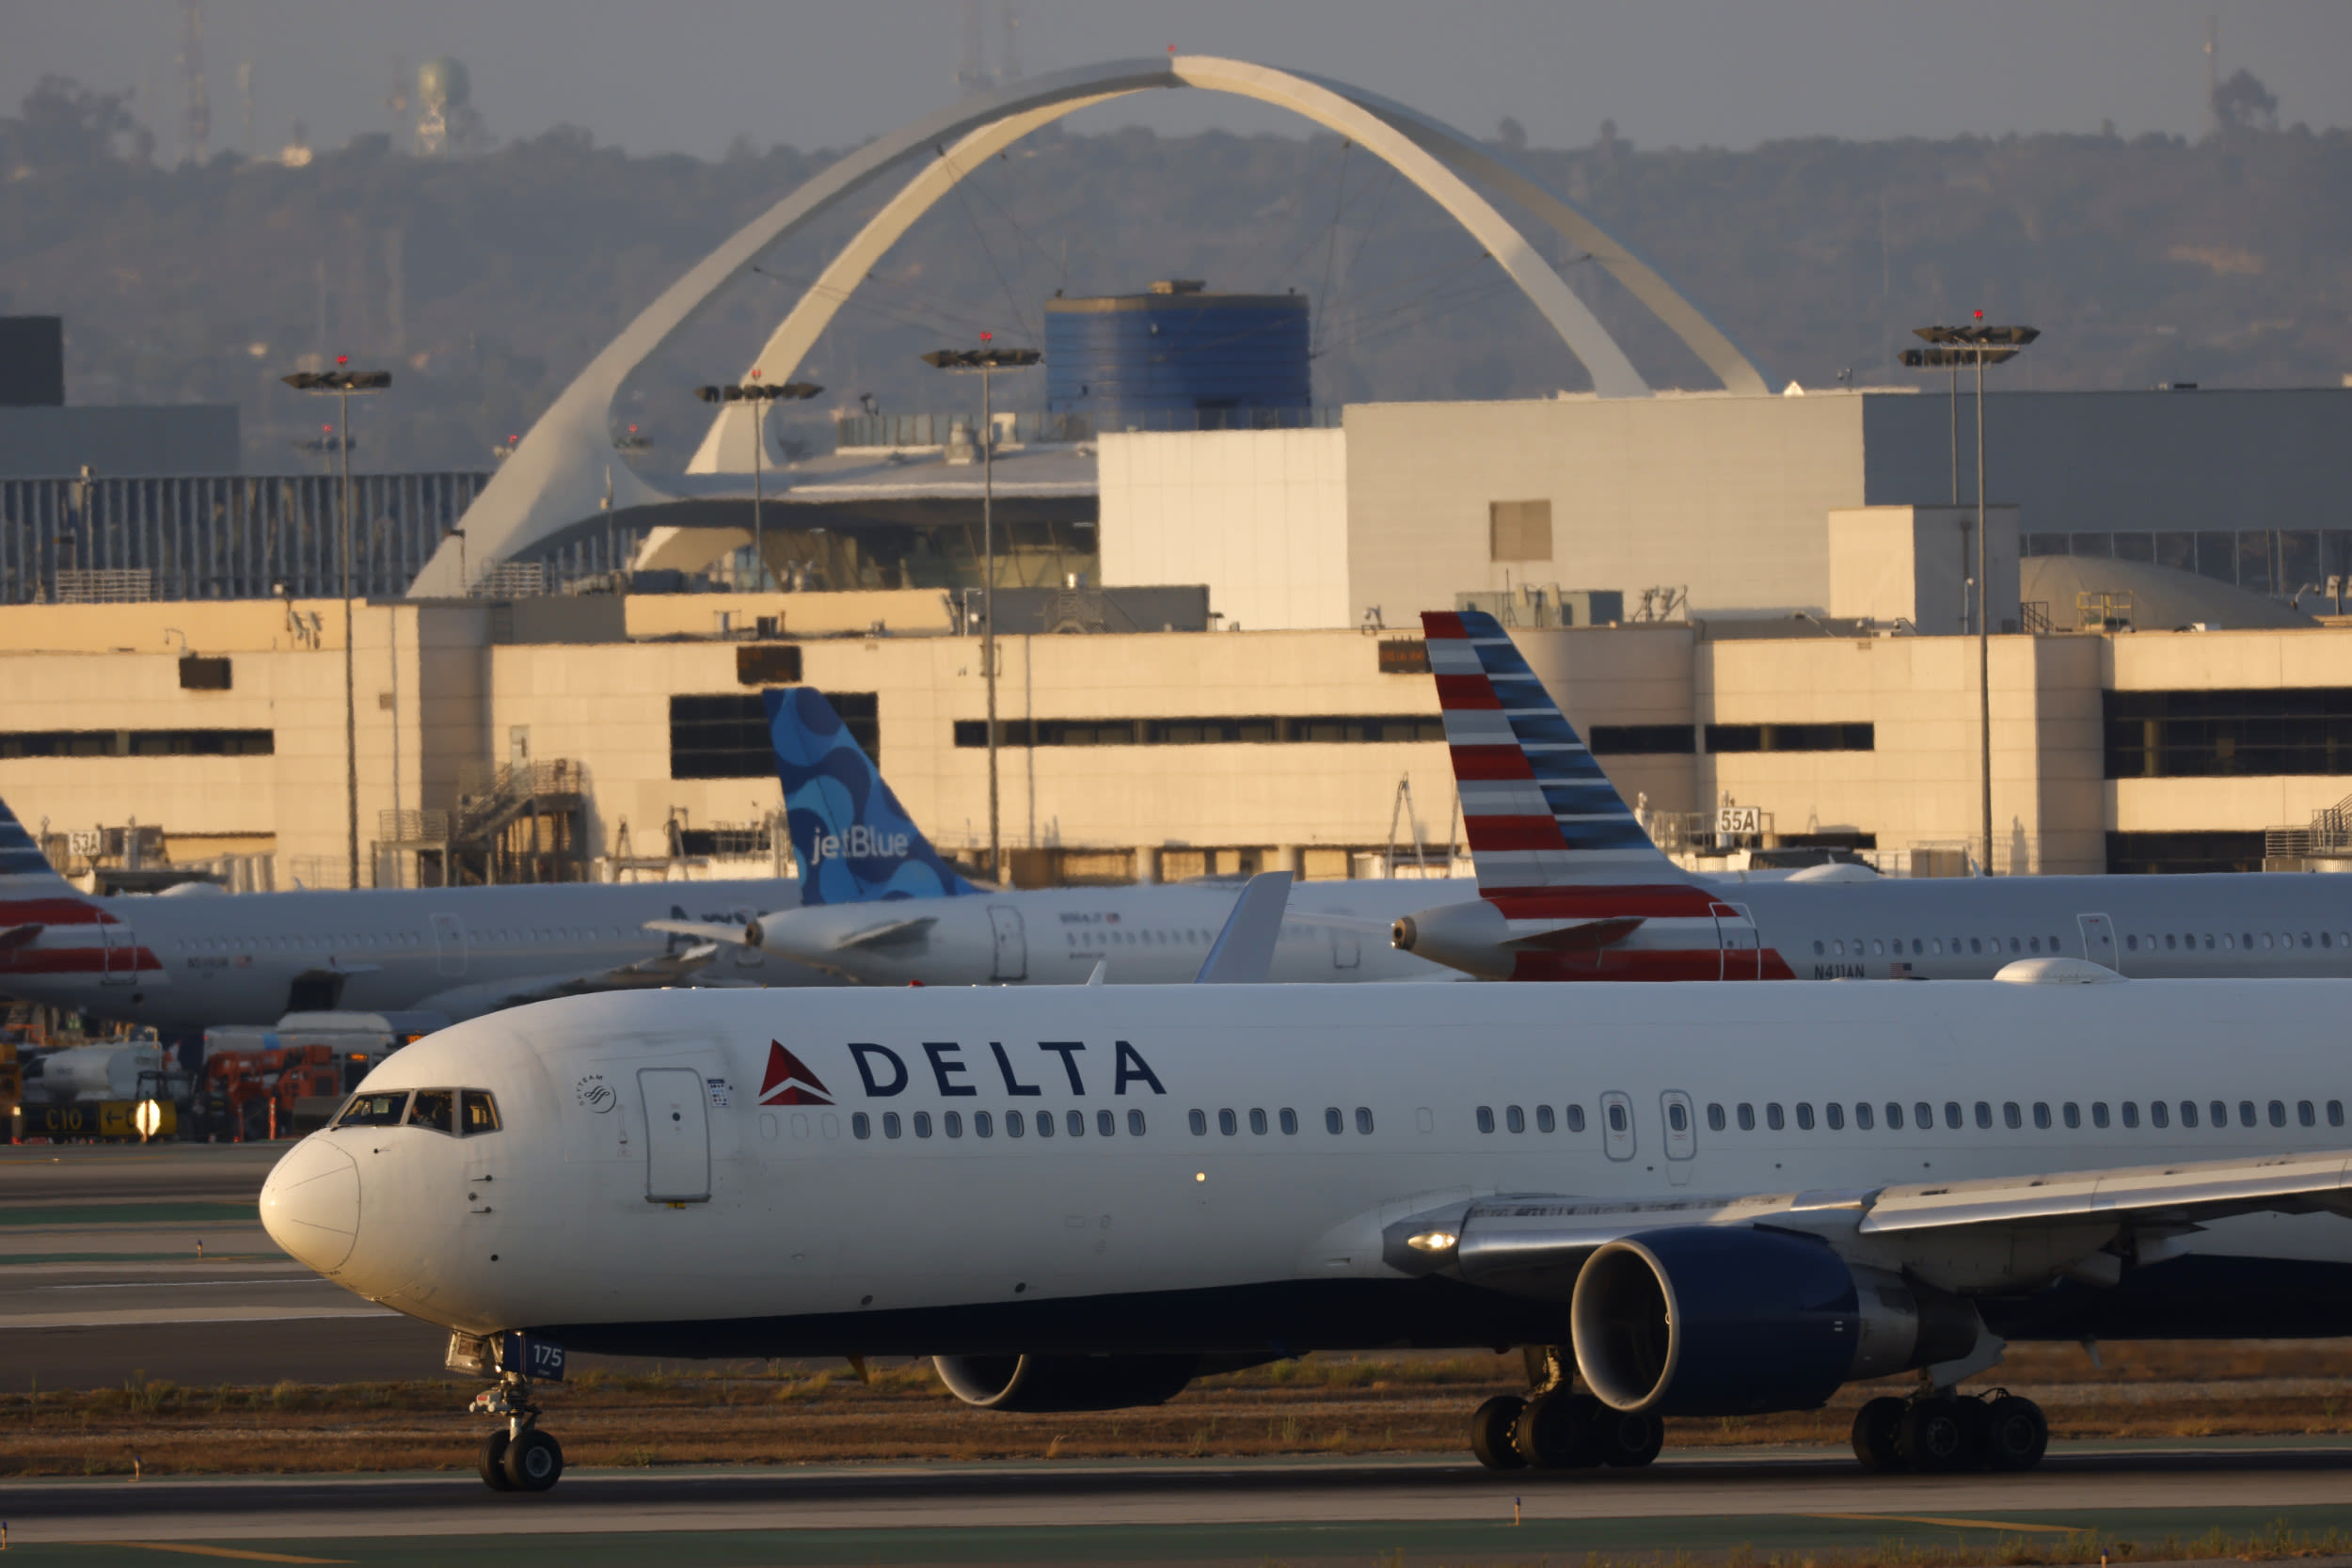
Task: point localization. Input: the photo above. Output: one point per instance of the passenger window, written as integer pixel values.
(1975, 944)
(1837, 1115)
(2033, 944)
(1045, 1124)
(983, 1125)
(1715, 1122)
(1544, 1122)
(1862, 1116)
(2071, 1114)
(435, 1108)
(1199, 1119)
(2304, 1115)
(2246, 939)
(477, 1113)
(1984, 1114)
(1363, 1118)
(2229, 943)
(1106, 1122)
(1895, 1115)
(2278, 1113)
(2131, 1113)
(1747, 1117)
(1014, 1127)
(1228, 1123)
(860, 1125)
(1804, 1116)
(951, 1123)
(1951, 1115)
(1257, 1121)
(1575, 1115)
(1290, 1119)
(1816, 944)
(1617, 1119)
(1678, 1118)
(1878, 946)
(2131, 944)
(1485, 1119)
(2188, 1113)
(2098, 1114)
(890, 1124)
(1935, 945)
(1514, 1118)
(922, 1124)
(2245, 1114)
(2013, 946)
(1332, 1122)
(374, 1110)
(2222, 1114)
(2335, 1112)
(2159, 1114)
(1135, 1124)
(2010, 1117)
(1773, 1117)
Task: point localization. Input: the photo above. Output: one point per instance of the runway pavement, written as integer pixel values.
(1181, 1512)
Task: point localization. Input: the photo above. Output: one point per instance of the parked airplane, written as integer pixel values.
(1694, 1201)
(880, 904)
(184, 961)
(1570, 886)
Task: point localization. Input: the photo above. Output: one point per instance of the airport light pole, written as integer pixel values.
(759, 393)
(985, 360)
(341, 383)
(1952, 347)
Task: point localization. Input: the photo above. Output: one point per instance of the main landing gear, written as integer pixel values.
(516, 1457)
(1938, 1433)
(1555, 1428)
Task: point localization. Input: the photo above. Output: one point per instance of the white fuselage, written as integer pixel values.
(1146, 934)
(639, 1194)
(189, 963)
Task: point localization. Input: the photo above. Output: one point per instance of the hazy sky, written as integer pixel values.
(689, 75)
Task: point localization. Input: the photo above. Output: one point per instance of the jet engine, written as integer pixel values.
(1471, 937)
(1709, 1321)
(1035, 1384)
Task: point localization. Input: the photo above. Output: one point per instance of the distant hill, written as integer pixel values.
(485, 283)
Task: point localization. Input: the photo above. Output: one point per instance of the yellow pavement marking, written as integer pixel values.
(238, 1553)
(1955, 1524)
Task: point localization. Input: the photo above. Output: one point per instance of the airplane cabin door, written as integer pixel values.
(449, 944)
(1013, 950)
(677, 1136)
(122, 956)
(1741, 950)
(1616, 1125)
(2099, 941)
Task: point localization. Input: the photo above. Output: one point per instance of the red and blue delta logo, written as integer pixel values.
(790, 1081)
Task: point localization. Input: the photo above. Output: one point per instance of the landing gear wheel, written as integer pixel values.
(1629, 1439)
(1491, 1431)
(1560, 1431)
(2016, 1433)
(1874, 1435)
(1936, 1437)
(493, 1462)
(535, 1462)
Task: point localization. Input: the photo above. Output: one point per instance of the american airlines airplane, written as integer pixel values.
(877, 904)
(183, 962)
(1682, 1199)
(1570, 886)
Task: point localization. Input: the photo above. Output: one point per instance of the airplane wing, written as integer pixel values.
(710, 931)
(888, 932)
(1999, 1235)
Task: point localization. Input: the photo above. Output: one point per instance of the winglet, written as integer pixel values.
(1539, 810)
(856, 843)
(1244, 951)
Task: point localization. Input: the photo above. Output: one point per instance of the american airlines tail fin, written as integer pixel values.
(22, 866)
(1539, 810)
(856, 843)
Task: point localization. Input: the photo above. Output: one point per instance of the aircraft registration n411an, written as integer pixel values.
(1682, 1199)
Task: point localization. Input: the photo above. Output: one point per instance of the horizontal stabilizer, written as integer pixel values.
(718, 932)
(18, 935)
(1584, 937)
(888, 932)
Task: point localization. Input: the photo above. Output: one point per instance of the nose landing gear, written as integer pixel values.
(516, 1457)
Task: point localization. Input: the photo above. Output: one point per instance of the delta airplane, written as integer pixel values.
(186, 961)
(877, 904)
(1570, 886)
(1680, 1199)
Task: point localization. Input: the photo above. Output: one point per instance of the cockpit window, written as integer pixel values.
(478, 1112)
(374, 1110)
(435, 1108)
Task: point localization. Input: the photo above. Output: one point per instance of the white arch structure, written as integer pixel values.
(564, 470)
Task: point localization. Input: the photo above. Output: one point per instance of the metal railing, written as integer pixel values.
(853, 432)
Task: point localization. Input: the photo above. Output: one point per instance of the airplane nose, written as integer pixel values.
(310, 1204)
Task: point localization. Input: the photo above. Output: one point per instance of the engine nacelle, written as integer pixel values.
(1037, 1384)
(1470, 937)
(1722, 1321)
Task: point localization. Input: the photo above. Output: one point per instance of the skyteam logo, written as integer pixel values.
(790, 1081)
(863, 843)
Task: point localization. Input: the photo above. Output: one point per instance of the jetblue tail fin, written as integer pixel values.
(22, 866)
(1539, 810)
(854, 842)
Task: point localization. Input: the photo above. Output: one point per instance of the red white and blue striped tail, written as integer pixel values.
(1539, 810)
(22, 866)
